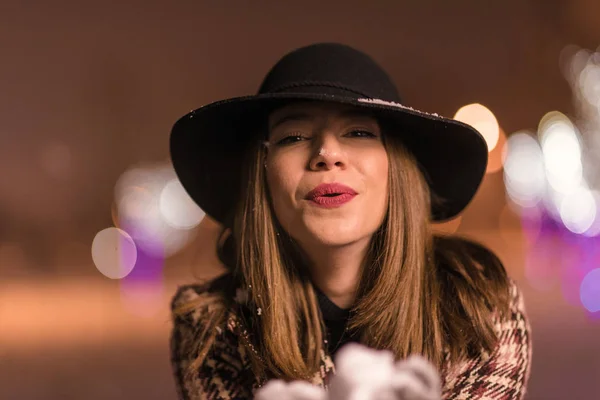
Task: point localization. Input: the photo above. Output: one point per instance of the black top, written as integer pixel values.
(335, 319)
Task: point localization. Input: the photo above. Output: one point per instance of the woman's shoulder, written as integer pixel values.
(515, 294)
(191, 302)
(208, 350)
(515, 319)
(502, 372)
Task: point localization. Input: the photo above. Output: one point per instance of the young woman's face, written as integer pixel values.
(311, 144)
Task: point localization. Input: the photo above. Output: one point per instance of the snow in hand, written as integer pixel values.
(365, 374)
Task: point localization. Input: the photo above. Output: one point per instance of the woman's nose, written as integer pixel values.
(327, 154)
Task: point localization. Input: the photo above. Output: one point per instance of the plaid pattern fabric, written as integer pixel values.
(226, 372)
(503, 374)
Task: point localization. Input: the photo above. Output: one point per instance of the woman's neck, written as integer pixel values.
(336, 270)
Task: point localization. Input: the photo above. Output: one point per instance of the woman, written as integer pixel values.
(326, 187)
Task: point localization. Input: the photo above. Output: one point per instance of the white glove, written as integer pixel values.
(362, 373)
(297, 390)
(416, 379)
(365, 374)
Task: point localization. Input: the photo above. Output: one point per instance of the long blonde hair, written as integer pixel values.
(419, 293)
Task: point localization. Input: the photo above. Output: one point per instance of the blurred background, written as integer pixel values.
(96, 233)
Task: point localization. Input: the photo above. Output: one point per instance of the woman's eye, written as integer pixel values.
(291, 139)
(361, 133)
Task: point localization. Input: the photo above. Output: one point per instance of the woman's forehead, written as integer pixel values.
(313, 109)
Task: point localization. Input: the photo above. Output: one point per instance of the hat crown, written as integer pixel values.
(330, 66)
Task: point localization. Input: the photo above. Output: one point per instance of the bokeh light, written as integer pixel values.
(155, 210)
(573, 60)
(137, 204)
(565, 174)
(565, 61)
(590, 291)
(589, 83)
(177, 207)
(552, 201)
(594, 229)
(482, 119)
(578, 210)
(561, 150)
(524, 174)
(114, 253)
(142, 290)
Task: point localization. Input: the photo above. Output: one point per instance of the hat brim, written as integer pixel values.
(207, 147)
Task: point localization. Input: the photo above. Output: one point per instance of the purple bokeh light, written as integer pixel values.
(590, 291)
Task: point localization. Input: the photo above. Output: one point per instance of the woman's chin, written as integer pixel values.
(332, 232)
(334, 238)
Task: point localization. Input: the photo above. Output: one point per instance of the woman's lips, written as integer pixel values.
(332, 201)
(329, 189)
(330, 195)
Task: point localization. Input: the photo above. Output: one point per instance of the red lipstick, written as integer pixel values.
(331, 195)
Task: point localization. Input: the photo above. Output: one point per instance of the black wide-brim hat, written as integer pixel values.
(207, 144)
